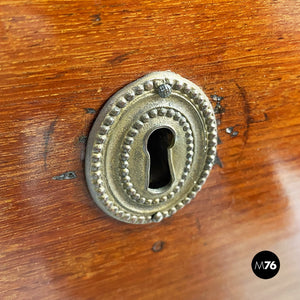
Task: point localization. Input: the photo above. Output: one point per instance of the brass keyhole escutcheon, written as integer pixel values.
(159, 143)
(151, 148)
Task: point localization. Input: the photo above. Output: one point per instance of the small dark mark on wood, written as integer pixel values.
(117, 5)
(82, 139)
(47, 136)
(219, 140)
(198, 224)
(17, 19)
(266, 118)
(131, 11)
(34, 45)
(246, 112)
(218, 161)
(158, 246)
(90, 110)
(281, 38)
(58, 75)
(96, 18)
(119, 59)
(66, 175)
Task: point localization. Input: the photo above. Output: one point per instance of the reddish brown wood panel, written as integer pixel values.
(59, 60)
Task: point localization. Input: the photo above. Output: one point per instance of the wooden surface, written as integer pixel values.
(59, 58)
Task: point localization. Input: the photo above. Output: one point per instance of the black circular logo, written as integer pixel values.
(265, 264)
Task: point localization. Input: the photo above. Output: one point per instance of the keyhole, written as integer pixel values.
(158, 144)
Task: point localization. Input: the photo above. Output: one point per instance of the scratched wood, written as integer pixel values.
(60, 61)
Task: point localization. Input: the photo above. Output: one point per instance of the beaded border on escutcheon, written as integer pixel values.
(129, 139)
(204, 107)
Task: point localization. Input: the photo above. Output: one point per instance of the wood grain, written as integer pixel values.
(60, 61)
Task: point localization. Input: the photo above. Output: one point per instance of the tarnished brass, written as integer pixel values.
(151, 148)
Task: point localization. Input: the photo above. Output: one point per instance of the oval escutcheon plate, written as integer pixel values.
(151, 148)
